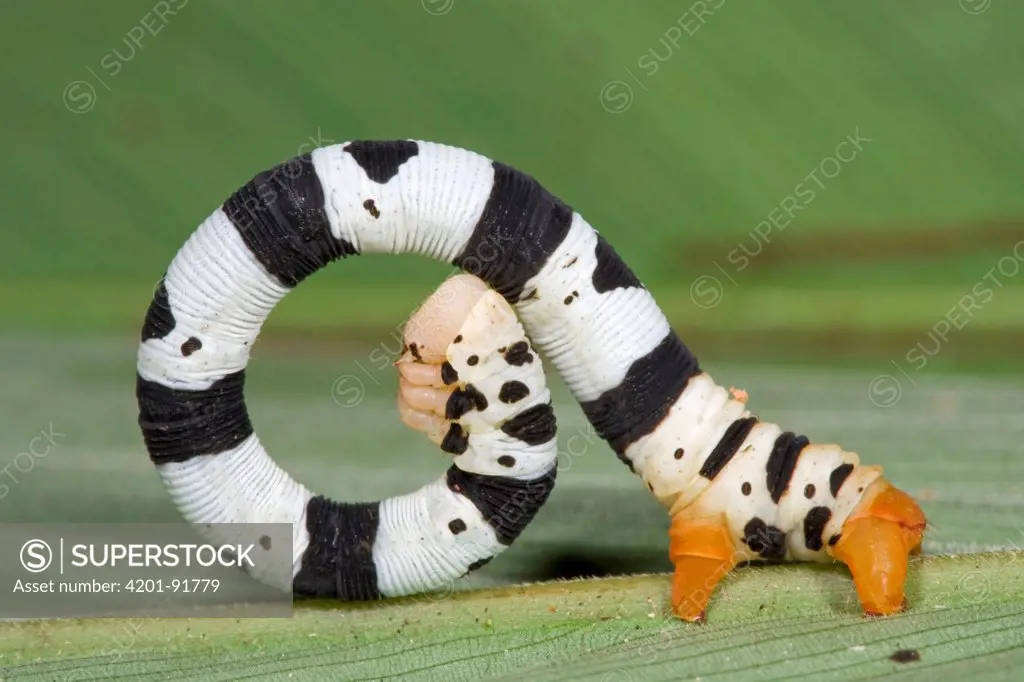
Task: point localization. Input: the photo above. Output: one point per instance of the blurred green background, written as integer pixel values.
(729, 111)
(676, 129)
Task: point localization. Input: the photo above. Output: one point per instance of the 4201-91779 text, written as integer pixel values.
(139, 585)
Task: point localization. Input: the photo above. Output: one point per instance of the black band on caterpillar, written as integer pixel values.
(782, 463)
(178, 424)
(636, 406)
(280, 215)
(508, 504)
(521, 225)
(339, 560)
(727, 447)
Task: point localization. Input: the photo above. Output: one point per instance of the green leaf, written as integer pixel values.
(765, 623)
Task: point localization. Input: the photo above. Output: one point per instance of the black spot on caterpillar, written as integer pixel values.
(381, 160)
(513, 392)
(507, 461)
(518, 354)
(746, 488)
(415, 350)
(191, 345)
(814, 526)
(533, 426)
(838, 477)
(456, 441)
(457, 339)
(456, 526)
(809, 491)
(462, 400)
(371, 207)
(449, 375)
(768, 541)
(472, 360)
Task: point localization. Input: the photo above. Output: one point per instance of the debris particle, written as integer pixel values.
(906, 656)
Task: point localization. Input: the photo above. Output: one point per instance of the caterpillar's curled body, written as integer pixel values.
(736, 488)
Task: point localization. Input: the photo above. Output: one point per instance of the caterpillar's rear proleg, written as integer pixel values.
(703, 552)
(876, 540)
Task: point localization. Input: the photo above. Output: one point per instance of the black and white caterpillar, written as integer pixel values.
(737, 489)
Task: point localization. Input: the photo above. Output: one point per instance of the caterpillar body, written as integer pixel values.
(736, 488)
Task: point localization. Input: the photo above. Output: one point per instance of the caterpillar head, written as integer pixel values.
(878, 537)
(431, 329)
(461, 323)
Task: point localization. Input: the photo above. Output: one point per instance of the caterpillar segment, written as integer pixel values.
(738, 489)
(469, 383)
(581, 307)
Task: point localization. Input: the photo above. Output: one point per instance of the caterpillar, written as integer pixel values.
(736, 488)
